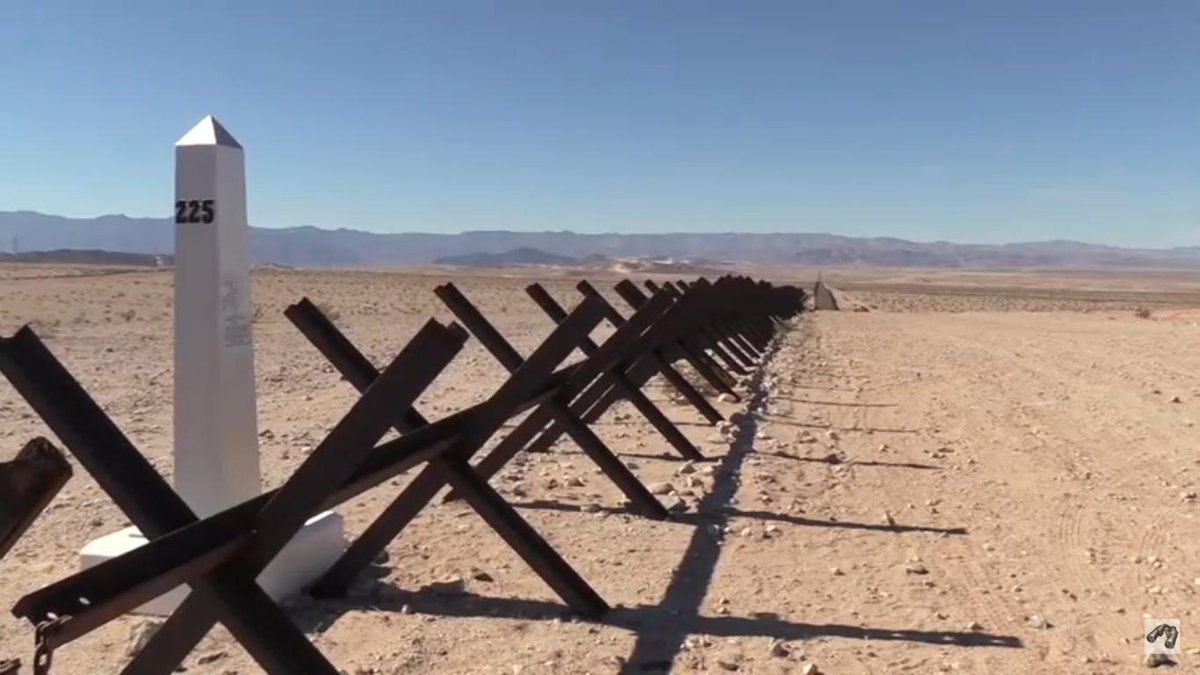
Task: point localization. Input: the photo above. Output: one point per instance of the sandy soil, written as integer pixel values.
(976, 489)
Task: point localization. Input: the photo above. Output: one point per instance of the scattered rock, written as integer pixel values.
(479, 575)
(832, 435)
(888, 519)
(139, 634)
(675, 504)
(449, 586)
(836, 571)
(575, 481)
(1037, 621)
(773, 531)
(778, 649)
(1156, 660)
(1176, 399)
(211, 657)
(1188, 496)
(974, 626)
(915, 568)
(590, 508)
(726, 398)
(661, 488)
(810, 669)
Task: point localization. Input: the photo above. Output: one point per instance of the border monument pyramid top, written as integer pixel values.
(209, 132)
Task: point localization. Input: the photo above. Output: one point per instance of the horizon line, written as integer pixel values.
(624, 234)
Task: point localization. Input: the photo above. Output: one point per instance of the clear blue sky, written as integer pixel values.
(962, 120)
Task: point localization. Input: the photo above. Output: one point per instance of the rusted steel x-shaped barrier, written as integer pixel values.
(27, 484)
(720, 329)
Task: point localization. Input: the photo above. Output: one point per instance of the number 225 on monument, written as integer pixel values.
(195, 211)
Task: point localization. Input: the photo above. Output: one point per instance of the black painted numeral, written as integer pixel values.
(195, 211)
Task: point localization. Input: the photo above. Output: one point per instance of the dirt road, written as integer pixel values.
(1039, 473)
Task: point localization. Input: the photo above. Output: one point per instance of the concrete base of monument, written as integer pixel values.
(312, 551)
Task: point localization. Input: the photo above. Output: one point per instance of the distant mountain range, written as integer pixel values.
(516, 256)
(315, 247)
(89, 257)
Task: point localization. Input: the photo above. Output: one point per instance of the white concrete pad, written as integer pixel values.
(306, 557)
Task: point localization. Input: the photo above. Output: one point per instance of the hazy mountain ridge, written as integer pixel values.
(516, 256)
(89, 257)
(312, 246)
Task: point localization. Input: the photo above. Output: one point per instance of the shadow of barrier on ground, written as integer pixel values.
(659, 642)
(662, 629)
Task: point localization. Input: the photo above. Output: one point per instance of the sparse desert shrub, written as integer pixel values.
(129, 315)
(1142, 312)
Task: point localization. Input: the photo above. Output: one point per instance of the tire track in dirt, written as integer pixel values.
(997, 610)
(1090, 447)
(1104, 527)
(1068, 539)
(1070, 536)
(1049, 367)
(966, 590)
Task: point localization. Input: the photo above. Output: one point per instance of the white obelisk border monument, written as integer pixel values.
(216, 427)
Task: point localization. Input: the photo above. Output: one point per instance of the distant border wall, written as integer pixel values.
(824, 297)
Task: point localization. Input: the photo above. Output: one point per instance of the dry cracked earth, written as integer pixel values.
(950, 482)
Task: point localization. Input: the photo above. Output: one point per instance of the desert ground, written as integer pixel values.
(981, 473)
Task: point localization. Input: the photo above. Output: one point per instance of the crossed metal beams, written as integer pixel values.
(221, 556)
(27, 484)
